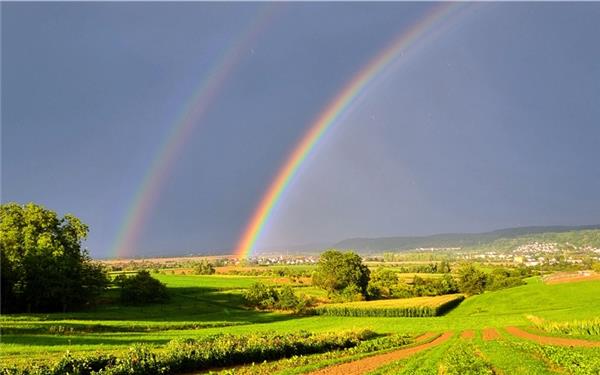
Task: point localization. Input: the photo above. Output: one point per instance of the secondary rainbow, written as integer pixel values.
(341, 104)
(158, 171)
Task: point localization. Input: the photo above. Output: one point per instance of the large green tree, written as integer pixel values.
(471, 280)
(337, 271)
(44, 267)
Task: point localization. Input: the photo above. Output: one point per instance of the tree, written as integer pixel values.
(141, 288)
(471, 280)
(44, 267)
(337, 271)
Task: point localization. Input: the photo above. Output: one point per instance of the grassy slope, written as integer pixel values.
(192, 304)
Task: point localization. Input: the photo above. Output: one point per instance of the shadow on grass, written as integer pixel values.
(71, 341)
(188, 308)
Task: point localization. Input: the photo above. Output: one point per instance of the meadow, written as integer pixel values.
(203, 306)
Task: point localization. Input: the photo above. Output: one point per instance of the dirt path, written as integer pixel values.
(490, 334)
(548, 340)
(371, 363)
(468, 334)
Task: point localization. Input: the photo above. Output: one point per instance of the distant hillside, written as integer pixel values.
(463, 240)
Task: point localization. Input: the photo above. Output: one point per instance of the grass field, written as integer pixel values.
(205, 305)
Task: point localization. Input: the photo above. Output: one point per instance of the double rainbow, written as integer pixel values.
(339, 105)
(157, 174)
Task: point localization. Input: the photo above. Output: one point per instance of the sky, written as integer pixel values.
(491, 120)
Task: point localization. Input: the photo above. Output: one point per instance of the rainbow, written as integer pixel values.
(157, 174)
(341, 104)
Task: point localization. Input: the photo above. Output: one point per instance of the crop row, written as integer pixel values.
(387, 309)
(463, 358)
(181, 356)
(301, 364)
(577, 327)
(578, 362)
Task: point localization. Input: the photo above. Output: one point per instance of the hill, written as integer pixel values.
(560, 234)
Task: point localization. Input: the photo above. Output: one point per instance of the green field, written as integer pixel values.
(206, 305)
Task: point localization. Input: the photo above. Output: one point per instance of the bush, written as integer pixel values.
(351, 293)
(502, 278)
(261, 296)
(266, 297)
(141, 288)
(204, 268)
(382, 283)
(288, 300)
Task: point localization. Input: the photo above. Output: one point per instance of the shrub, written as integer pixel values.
(288, 300)
(141, 288)
(204, 268)
(351, 293)
(261, 296)
(382, 283)
(385, 284)
(266, 297)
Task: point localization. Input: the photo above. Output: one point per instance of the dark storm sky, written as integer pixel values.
(494, 122)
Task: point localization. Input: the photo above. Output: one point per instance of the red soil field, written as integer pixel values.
(468, 334)
(490, 334)
(365, 365)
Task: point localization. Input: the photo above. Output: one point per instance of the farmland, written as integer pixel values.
(204, 305)
(407, 307)
(300, 188)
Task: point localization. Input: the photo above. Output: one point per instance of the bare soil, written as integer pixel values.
(490, 334)
(365, 365)
(468, 334)
(549, 340)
